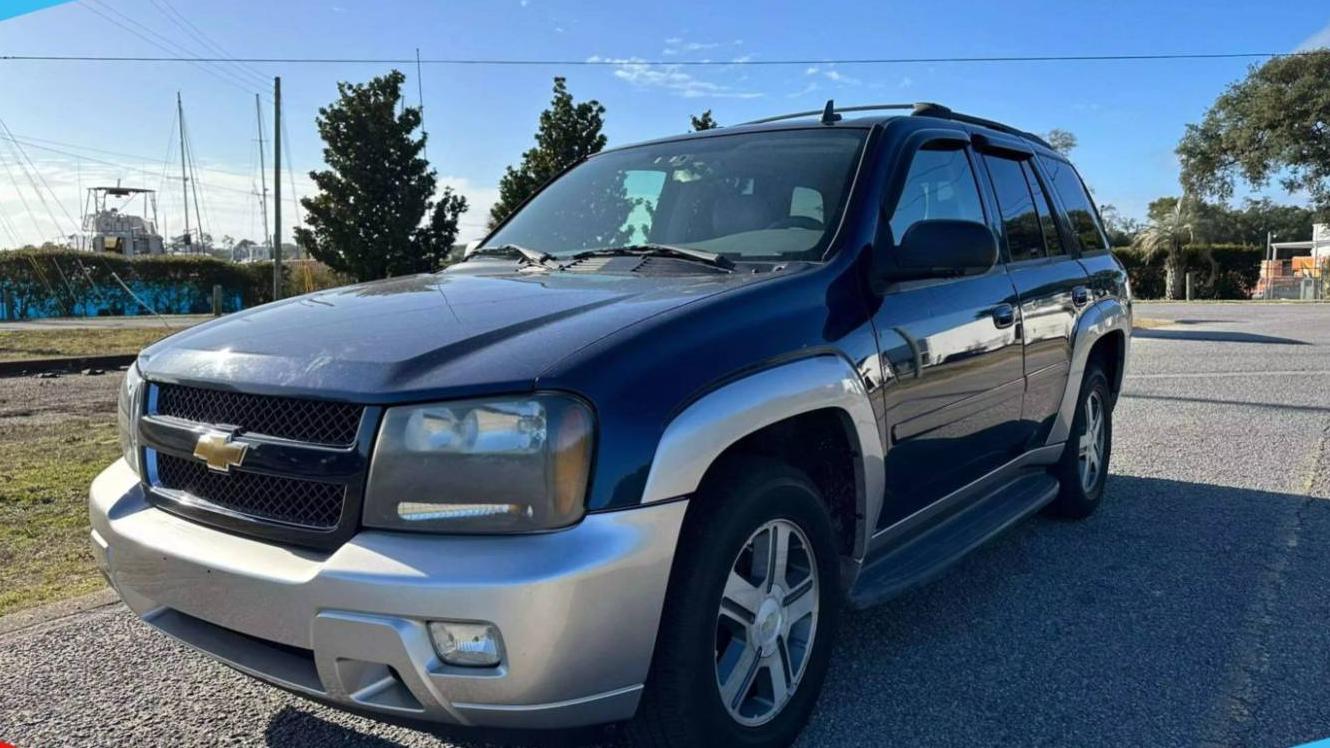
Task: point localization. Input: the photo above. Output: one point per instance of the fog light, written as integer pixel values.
(466, 644)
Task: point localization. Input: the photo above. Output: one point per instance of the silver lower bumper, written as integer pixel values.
(577, 609)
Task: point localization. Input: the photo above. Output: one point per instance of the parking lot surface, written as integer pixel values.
(1191, 610)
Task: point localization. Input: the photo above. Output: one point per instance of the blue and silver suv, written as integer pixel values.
(629, 460)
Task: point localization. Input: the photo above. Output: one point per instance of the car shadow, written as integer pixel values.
(1172, 616)
(303, 725)
(1213, 336)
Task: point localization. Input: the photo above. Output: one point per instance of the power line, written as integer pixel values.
(180, 21)
(124, 167)
(614, 62)
(180, 53)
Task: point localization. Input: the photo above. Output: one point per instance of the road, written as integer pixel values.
(1191, 610)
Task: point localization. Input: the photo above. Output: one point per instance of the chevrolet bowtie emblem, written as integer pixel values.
(217, 449)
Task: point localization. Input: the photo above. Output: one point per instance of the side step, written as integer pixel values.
(925, 557)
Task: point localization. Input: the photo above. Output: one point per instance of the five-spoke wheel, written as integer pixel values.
(766, 622)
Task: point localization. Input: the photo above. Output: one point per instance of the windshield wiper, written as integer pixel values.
(663, 250)
(532, 256)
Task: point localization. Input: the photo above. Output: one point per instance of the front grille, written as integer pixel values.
(306, 503)
(311, 421)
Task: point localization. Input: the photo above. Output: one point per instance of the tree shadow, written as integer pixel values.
(1178, 614)
(1240, 403)
(1213, 336)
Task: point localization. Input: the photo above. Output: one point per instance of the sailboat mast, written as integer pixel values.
(184, 179)
(263, 176)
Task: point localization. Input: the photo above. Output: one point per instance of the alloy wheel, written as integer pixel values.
(1093, 441)
(767, 621)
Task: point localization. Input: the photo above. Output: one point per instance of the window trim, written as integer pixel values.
(1068, 250)
(1016, 157)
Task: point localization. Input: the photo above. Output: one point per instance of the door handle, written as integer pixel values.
(1004, 315)
(1080, 296)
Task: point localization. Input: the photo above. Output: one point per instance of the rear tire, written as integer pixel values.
(1083, 467)
(734, 610)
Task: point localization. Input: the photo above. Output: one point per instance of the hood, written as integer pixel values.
(445, 335)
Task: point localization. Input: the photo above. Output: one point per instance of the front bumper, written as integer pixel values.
(577, 609)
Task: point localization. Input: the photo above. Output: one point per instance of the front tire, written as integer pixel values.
(1083, 467)
(753, 604)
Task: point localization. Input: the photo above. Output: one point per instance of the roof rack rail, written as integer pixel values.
(830, 109)
(929, 109)
(831, 114)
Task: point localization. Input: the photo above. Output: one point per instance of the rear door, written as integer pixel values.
(954, 379)
(1050, 283)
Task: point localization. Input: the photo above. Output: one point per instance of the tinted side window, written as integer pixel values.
(1020, 220)
(1044, 205)
(940, 184)
(1075, 200)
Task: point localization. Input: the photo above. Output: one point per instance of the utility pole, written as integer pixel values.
(263, 167)
(184, 179)
(420, 97)
(277, 188)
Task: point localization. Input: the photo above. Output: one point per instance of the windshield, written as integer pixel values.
(769, 196)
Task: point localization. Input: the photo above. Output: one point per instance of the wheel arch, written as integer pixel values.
(1104, 329)
(820, 395)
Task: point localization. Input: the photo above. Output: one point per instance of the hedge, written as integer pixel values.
(1238, 267)
(64, 283)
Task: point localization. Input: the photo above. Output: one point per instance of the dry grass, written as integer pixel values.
(29, 345)
(1148, 323)
(45, 472)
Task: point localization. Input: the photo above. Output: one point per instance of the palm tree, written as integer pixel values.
(1168, 235)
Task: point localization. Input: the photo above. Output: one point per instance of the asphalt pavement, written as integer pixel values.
(1191, 610)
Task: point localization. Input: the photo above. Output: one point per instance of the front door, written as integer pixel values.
(951, 355)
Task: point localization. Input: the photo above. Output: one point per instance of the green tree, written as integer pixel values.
(1274, 123)
(1121, 229)
(704, 122)
(368, 219)
(1062, 141)
(568, 132)
(1169, 231)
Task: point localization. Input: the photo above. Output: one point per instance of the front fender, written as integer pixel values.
(711, 424)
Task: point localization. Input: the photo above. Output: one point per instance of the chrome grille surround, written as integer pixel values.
(288, 490)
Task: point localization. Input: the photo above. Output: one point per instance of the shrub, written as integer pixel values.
(65, 283)
(1233, 275)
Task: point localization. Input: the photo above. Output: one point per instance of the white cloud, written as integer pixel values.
(811, 87)
(906, 82)
(677, 45)
(672, 78)
(479, 199)
(1316, 41)
(830, 73)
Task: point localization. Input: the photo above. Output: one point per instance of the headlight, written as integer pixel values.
(129, 405)
(503, 465)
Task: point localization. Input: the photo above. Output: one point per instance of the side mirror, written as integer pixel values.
(941, 248)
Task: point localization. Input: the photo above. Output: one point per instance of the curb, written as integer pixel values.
(20, 368)
(54, 611)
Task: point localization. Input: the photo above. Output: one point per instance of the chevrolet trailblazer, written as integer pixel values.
(630, 460)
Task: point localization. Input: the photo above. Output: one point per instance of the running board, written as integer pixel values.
(925, 557)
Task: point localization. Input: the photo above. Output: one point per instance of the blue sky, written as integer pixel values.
(1127, 115)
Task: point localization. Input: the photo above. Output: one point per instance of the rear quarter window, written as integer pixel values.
(1076, 202)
